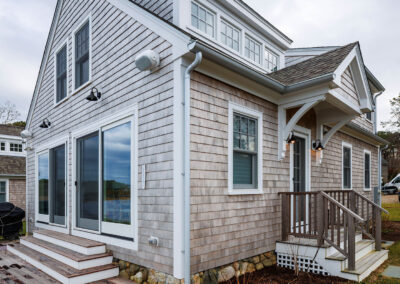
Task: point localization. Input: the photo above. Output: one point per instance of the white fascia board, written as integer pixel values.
(309, 51)
(177, 38)
(10, 137)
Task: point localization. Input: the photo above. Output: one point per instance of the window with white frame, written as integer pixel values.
(252, 49)
(367, 170)
(2, 146)
(3, 190)
(271, 60)
(203, 19)
(15, 147)
(82, 50)
(346, 160)
(61, 74)
(230, 36)
(245, 157)
(368, 115)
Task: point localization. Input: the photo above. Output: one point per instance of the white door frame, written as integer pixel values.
(304, 133)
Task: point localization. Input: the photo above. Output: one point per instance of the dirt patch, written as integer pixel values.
(391, 231)
(389, 199)
(277, 275)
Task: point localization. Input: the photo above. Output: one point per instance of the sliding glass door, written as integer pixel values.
(43, 187)
(87, 184)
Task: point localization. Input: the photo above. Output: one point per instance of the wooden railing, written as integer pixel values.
(331, 217)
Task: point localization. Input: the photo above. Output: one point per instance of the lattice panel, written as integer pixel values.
(305, 264)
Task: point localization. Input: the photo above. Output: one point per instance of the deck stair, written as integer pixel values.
(67, 258)
(334, 233)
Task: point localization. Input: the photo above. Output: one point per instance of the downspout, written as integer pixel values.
(380, 149)
(186, 162)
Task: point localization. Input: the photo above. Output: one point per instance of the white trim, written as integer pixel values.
(88, 19)
(370, 160)
(61, 46)
(7, 181)
(233, 107)
(348, 145)
(130, 113)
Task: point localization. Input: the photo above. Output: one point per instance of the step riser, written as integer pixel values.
(331, 250)
(74, 280)
(74, 247)
(373, 267)
(70, 262)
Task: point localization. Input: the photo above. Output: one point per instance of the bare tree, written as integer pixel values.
(8, 112)
(394, 122)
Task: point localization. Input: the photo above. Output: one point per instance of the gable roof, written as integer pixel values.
(12, 166)
(314, 67)
(10, 130)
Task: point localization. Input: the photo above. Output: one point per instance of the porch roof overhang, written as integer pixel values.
(355, 130)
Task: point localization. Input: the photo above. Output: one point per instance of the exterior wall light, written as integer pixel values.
(317, 145)
(94, 96)
(45, 123)
(291, 139)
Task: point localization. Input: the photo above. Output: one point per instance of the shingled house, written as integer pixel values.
(187, 135)
(12, 166)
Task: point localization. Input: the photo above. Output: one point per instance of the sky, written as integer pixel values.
(24, 26)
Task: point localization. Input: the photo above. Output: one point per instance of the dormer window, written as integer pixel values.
(14, 147)
(230, 35)
(2, 146)
(368, 115)
(252, 50)
(203, 20)
(271, 61)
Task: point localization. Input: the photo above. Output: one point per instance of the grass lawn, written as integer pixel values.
(394, 210)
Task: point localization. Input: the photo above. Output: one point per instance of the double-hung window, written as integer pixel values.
(346, 166)
(82, 43)
(252, 49)
(15, 147)
(230, 36)
(203, 20)
(367, 170)
(245, 158)
(61, 74)
(271, 61)
(3, 190)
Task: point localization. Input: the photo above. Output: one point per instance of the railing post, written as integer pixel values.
(285, 216)
(351, 243)
(378, 228)
(352, 201)
(320, 219)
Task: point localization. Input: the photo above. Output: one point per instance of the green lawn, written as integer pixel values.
(394, 210)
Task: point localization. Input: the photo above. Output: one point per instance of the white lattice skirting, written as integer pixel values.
(305, 264)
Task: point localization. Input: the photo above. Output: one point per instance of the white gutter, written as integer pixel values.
(186, 155)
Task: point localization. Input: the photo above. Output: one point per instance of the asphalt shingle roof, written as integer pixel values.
(315, 67)
(12, 165)
(10, 130)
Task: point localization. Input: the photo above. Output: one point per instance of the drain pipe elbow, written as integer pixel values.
(186, 187)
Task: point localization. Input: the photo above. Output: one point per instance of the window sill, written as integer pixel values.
(62, 101)
(81, 87)
(245, 191)
(367, 189)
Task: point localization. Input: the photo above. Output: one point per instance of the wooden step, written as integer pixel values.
(363, 247)
(60, 271)
(78, 244)
(368, 263)
(69, 257)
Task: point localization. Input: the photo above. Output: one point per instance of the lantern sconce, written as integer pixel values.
(291, 139)
(317, 145)
(94, 95)
(45, 123)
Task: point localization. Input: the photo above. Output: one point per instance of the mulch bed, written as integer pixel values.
(277, 275)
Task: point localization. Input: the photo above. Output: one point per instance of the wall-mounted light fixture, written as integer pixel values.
(45, 123)
(291, 139)
(94, 95)
(317, 145)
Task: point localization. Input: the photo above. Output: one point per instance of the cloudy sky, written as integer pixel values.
(24, 25)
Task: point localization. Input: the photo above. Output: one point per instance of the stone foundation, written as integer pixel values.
(143, 275)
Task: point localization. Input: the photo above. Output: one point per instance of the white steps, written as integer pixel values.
(82, 261)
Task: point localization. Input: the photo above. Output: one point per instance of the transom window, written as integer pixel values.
(244, 151)
(230, 35)
(14, 147)
(82, 55)
(61, 74)
(271, 60)
(203, 19)
(367, 170)
(346, 167)
(3, 191)
(252, 50)
(2, 146)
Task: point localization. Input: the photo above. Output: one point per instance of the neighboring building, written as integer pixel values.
(259, 118)
(12, 166)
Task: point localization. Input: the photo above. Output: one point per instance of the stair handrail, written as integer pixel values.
(344, 208)
(371, 202)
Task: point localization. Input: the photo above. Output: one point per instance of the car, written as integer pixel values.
(392, 187)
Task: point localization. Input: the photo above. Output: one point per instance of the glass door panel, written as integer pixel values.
(57, 193)
(299, 175)
(87, 190)
(43, 187)
(116, 182)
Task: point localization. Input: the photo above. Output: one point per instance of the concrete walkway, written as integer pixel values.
(392, 271)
